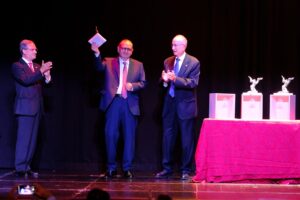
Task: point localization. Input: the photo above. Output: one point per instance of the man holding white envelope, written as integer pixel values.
(124, 78)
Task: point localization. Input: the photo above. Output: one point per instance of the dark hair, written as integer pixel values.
(98, 194)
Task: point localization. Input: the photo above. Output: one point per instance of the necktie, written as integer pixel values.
(31, 66)
(176, 69)
(125, 72)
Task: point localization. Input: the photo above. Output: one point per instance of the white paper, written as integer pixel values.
(98, 39)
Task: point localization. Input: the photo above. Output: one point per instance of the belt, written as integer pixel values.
(118, 95)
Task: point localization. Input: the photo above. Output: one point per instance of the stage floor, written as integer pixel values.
(67, 185)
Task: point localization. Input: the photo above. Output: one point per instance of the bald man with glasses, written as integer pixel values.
(124, 78)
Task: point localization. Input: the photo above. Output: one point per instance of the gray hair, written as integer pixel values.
(24, 44)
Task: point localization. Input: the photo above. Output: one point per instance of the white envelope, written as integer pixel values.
(98, 39)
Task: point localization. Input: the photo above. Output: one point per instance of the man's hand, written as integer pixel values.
(164, 76)
(47, 76)
(129, 87)
(95, 48)
(45, 67)
(171, 76)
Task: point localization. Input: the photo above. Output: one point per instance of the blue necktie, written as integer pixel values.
(176, 69)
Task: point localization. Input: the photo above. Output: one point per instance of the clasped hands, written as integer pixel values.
(168, 76)
(45, 69)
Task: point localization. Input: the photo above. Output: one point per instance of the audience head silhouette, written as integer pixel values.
(163, 197)
(98, 194)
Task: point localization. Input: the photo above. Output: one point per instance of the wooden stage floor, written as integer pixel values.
(67, 185)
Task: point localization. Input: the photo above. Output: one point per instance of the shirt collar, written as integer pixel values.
(182, 57)
(26, 60)
(121, 61)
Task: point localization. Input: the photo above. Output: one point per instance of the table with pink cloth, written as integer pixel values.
(242, 151)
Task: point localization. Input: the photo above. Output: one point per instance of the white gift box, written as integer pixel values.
(252, 106)
(282, 106)
(222, 105)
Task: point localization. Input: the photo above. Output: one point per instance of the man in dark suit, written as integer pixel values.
(180, 78)
(28, 104)
(124, 78)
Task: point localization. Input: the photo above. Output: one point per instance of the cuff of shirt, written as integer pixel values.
(48, 79)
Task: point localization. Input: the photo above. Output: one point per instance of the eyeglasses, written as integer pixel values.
(125, 49)
(176, 45)
(32, 49)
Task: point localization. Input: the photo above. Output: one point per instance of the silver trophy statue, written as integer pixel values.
(285, 82)
(254, 82)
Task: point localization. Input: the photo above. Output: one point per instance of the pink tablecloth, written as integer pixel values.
(239, 150)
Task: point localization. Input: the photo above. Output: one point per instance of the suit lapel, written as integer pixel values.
(172, 63)
(130, 70)
(116, 68)
(184, 65)
(35, 67)
(26, 67)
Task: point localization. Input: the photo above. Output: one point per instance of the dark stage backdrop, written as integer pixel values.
(232, 39)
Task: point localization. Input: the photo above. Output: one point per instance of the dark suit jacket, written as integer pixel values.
(28, 88)
(185, 86)
(136, 76)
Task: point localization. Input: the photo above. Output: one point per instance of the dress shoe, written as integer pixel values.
(109, 174)
(185, 176)
(32, 174)
(127, 174)
(163, 174)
